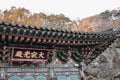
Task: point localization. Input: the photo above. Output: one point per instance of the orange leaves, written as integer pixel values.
(21, 15)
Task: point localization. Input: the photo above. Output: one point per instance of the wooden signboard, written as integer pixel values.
(29, 54)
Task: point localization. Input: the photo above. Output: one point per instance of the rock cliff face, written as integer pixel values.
(107, 65)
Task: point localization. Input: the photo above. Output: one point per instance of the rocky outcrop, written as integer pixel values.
(106, 66)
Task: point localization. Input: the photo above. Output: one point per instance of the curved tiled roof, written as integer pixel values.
(11, 34)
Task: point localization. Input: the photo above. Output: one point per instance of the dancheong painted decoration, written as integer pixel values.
(40, 53)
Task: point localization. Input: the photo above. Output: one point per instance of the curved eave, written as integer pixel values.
(29, 34)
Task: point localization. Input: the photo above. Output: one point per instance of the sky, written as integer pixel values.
(74, 9)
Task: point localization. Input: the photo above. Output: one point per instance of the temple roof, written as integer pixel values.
(65, 36)
(86, 42)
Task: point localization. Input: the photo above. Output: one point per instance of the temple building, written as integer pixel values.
(40, 53)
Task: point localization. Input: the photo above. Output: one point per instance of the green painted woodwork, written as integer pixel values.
(15, 77)
(28, 78)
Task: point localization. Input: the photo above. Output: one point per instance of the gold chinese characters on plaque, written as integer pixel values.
(26, 54)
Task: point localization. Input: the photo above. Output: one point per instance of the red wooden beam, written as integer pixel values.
(3, 37)
(73, 42)
(68, 42)
(78, 42)
(39, 40)
(16, 38)
(55, 41)
(21, 38)
(9, 37)
(59, 41)
(63, 41)
(49, 40)
(44, 40)
(28, 39)
(33, 40)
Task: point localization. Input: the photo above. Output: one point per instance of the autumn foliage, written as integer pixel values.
(24, 16)
(99, 22)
